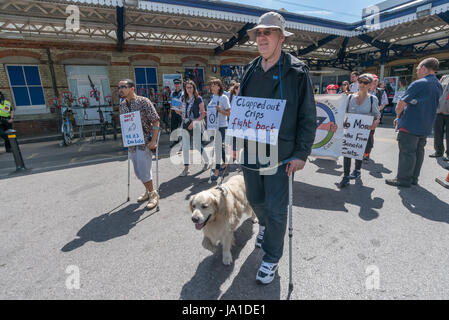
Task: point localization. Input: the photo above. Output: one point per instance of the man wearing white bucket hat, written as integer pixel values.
(277, 75)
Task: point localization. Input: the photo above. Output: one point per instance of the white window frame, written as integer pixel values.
(31, 109)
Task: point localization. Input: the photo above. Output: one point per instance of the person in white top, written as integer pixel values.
(354, 87)
(221, 101)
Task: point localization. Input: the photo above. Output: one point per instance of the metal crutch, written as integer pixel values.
(128, 177)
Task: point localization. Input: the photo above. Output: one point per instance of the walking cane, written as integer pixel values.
(290, 228)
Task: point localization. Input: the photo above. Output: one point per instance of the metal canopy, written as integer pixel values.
(170, 23)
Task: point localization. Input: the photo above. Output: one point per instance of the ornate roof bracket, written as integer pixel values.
(240, 38)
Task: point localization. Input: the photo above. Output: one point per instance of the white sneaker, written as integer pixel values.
(266, 272)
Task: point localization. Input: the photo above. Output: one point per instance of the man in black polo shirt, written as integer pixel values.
(277, 75)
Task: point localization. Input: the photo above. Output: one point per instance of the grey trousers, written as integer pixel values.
(411, 157)
(268, 196)
(441, 125)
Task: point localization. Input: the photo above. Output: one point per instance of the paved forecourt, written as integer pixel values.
(368, 240)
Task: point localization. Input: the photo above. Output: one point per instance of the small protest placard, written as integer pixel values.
(176, 103)
(355, 135)
(132, 133)
(256, 119)
(212, 118)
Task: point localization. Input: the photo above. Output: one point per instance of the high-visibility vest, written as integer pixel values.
(5, 109)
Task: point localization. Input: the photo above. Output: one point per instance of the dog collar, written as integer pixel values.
(222, 189)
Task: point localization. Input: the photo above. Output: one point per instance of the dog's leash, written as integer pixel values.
(280, 163)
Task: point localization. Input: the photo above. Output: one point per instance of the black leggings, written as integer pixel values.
(217, 148)
(347, 165)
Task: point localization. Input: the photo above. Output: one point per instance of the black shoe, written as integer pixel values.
(8, 150)
(344, 182)
(435, 155)
(355, 174)
(445, 158)
(396, 183)
(415, 182)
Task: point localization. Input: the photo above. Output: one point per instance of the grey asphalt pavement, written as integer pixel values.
(69, 217)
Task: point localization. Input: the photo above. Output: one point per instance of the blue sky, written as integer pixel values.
(340, 10)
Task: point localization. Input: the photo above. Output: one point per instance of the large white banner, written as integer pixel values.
(132, 133)
(256, 119)
(330, 112)
(356, 134)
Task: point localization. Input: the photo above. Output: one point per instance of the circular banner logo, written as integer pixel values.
(326, 126)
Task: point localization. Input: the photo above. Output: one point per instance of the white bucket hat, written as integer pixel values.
(269, 20)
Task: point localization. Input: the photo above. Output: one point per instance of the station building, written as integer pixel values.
(43, 51)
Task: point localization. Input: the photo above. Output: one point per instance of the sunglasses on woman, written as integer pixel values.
(364, 82)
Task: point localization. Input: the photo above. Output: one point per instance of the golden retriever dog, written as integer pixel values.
(219, 211)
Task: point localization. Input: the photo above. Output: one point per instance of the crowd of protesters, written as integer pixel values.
(366, 96)
(417, 108)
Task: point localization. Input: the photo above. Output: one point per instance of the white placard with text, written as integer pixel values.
(212, 118)
(256, 119)
(132, 133)
(356, 130)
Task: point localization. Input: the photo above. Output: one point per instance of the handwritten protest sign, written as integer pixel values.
(256, 119)
(212, 118)
(355, 135)
(132, 133)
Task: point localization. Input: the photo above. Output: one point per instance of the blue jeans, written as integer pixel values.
(411, 157)
(268, 196)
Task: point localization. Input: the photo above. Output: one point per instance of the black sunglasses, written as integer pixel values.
(123, 87)
(365, 82)
(266, 33)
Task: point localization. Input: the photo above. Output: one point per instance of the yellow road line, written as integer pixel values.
(73, 160)
(32, 156)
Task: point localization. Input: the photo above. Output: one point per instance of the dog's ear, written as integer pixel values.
(217, 201)
(190, 203)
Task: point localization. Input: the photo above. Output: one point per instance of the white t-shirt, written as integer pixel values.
(223, 102)
(354, 87)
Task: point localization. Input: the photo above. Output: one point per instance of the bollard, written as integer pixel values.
(20, 165)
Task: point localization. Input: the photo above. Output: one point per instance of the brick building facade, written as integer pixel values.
(119, 65)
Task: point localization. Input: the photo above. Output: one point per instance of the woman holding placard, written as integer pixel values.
(364, 103)
(193, 114)
(223, 110)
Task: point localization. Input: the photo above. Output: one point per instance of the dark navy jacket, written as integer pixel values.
(298, 125)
